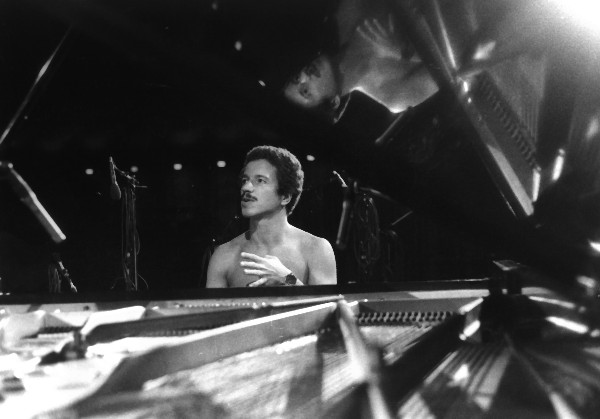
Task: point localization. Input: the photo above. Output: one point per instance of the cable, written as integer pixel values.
(367, 245)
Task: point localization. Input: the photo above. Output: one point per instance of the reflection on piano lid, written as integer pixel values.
(515, 68)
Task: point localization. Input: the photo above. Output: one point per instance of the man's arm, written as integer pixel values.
(217, 268)
(321, 263)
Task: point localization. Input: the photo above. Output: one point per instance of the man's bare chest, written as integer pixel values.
(290, 256)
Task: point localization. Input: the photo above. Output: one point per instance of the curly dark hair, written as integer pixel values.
(290, 177)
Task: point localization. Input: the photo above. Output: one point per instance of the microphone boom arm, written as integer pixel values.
(28, 197)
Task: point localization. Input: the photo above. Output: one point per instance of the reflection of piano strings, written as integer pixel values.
(473, 372)
(521, 131)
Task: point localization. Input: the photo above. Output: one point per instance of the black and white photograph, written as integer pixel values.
(299, 208)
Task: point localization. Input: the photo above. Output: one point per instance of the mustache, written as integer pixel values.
(248, 196)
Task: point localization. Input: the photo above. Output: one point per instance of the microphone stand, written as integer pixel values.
(130, 246)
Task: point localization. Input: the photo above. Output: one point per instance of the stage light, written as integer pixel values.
(465, 87)
(262, 83)
(593, 129)
(535, 185)
(584, 12)
(568, 324)
(238, 45)
(134, 169)
(559, 164)
(177, 166)
(221, 163)
(89, 172)
(310, 157)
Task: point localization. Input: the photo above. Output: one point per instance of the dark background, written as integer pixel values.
(157, 83)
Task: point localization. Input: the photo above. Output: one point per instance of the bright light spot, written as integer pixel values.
(134, 169)
(310, 157)
(595, 246)
(238, 45)
(44, 69)
(585, 12)
(589, 284)
(535, 188)
(568, 324)
(553, 301)
(470, 306)
(484, 51)
(221, 163)
(469, 100)
(262, 83)
(465, 86)
(461, 374)
(471, 329)
(89, 172)
(177, 166)
(593, 129)
(559, 163)
(215, 5)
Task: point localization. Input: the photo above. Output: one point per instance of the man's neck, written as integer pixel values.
(268, 231)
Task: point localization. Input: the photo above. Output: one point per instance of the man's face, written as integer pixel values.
(259, 186)
(313, 84)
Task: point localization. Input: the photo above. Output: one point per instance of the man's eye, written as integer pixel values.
(295, 79)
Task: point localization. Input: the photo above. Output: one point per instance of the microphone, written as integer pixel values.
(64, 273)
(343, 229)
(115, 191)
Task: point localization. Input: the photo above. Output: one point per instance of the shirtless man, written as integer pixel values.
(272, 252)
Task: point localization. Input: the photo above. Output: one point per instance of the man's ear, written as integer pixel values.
(286, 200)
(335, 102)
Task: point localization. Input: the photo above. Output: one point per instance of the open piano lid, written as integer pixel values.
(525, 76)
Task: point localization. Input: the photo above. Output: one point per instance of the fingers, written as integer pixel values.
(366, 31)
(252, 265)
(251, 256)
(258, 282)
(265, 282)
(256, 272)
(269, 265)
(375, 28)
(378, 27)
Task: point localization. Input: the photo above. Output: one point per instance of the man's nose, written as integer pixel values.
(247, 185)
(304, 90)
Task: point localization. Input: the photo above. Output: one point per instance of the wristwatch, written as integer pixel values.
(290, 279)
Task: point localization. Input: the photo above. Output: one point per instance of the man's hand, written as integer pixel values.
(383, 39)
(269, 269)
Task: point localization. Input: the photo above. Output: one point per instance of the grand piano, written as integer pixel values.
(465, 223)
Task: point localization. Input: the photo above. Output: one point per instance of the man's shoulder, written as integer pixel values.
(232, 247)
(310, 240)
